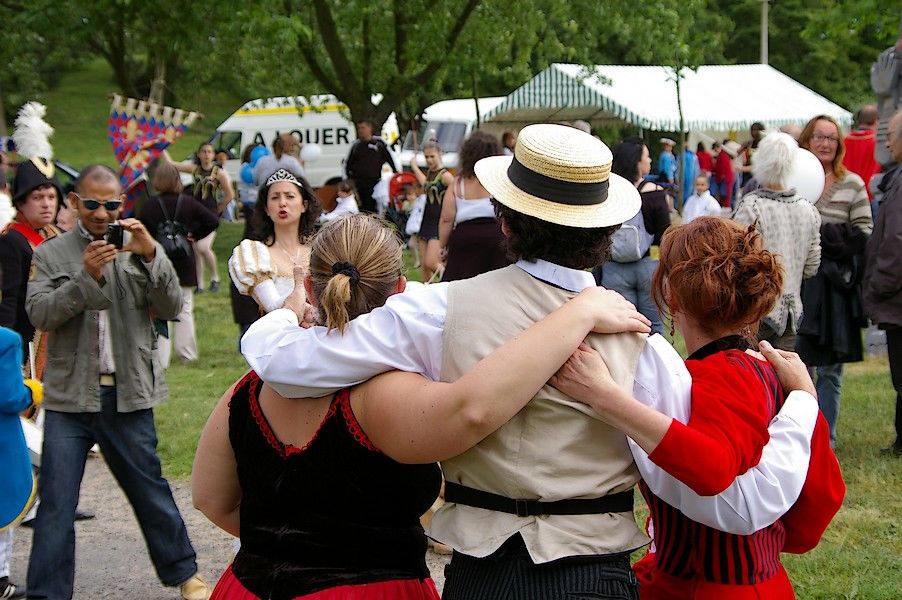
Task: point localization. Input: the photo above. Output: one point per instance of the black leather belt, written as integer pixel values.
(612, 503)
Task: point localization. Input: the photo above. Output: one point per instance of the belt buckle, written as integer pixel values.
(522, 507)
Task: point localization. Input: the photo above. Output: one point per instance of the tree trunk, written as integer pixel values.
(3, 130)
(158, 85)
(476, 101)
(681, 171)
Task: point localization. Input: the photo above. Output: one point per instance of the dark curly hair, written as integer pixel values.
(530, 239)
(627, 155)
(263, 226)
(478, 144)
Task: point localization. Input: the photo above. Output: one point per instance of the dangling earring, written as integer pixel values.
(672, 327)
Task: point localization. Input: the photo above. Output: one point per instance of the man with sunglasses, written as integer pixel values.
(101, 383)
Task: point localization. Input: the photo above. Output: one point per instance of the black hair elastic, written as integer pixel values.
(345, 268)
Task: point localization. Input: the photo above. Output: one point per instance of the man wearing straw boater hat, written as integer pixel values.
(543, 507)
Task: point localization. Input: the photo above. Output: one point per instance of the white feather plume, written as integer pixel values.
(32, 132)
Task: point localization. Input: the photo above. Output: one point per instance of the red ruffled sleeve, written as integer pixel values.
(821, 496)
(727, 429)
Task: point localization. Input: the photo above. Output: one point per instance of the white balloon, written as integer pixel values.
(311, 152)
(807, 176)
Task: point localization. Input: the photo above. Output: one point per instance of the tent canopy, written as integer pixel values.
(714, 98)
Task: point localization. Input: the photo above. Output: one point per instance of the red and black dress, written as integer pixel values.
(334, 519)
(734, 398)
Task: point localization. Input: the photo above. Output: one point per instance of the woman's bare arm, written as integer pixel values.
(228, 192)
(414, 420)
(446, 221)
(215, 489)
(180, 166)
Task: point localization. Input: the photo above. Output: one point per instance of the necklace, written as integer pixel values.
(294, 260)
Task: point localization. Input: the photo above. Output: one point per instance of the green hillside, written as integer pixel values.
(79, 107)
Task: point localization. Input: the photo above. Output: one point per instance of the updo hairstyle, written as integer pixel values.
(717, 272)
(355, 264)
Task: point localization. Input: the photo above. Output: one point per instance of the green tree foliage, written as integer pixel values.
(174, 43)
(828, 45)
(415, 52)
(33, 54)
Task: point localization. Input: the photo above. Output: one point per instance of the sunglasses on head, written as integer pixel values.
(92, 204)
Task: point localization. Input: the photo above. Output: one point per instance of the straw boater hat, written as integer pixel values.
(560, 175)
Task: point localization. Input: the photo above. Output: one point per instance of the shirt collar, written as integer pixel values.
(573, 280)
(82, 231)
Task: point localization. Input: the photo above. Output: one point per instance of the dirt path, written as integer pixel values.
(111, 558)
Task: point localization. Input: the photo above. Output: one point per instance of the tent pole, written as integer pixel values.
(764, 8)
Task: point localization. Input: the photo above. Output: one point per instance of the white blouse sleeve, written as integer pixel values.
(252, 272)
(757, 497)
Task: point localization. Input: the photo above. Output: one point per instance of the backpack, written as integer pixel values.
(631, 241)
(172, 235)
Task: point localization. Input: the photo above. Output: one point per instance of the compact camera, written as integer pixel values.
(114, 235)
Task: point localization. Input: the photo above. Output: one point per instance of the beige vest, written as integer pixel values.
(553, 449)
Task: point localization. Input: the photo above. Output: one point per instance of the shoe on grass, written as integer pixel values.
(894, 450)
(8, 589)
(214, 286)
(195, 588)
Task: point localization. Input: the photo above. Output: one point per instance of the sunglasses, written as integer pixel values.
(92, 204)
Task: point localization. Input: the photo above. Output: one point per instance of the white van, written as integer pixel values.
(450, 122)
(322, 120)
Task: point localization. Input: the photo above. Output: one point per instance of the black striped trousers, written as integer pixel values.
(509, 574)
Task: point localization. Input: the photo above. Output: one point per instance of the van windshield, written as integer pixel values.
(449, 134)
(227, 141)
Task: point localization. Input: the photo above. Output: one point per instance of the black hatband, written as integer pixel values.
(556, 190)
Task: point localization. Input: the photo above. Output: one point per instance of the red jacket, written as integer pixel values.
(859, 156)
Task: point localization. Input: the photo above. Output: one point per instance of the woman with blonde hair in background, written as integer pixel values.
(830, 333)
(326, 493)
(435, 181)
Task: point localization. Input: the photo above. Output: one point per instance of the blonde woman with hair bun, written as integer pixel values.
(299, 479)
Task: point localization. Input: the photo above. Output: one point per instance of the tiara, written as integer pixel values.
(282, 175)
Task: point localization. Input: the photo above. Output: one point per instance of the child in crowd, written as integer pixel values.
(19, 487)
(701, 203)
(345, 203)
(414, 205)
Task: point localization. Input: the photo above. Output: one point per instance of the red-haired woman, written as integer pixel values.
(829, 337)
(717, 281)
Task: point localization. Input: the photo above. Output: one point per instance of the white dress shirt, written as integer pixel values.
(406, 334)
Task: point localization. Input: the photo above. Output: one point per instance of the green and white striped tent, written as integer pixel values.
(714, 98)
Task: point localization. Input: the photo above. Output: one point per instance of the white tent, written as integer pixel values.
(714, 98)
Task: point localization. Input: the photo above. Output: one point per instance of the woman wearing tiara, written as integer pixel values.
(283, 218)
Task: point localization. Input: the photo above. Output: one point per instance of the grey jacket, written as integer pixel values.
(65, 301)
(882, 284)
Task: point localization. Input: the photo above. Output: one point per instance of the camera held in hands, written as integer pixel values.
(114, 235)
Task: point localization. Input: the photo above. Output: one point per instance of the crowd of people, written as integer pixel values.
(323, 458)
